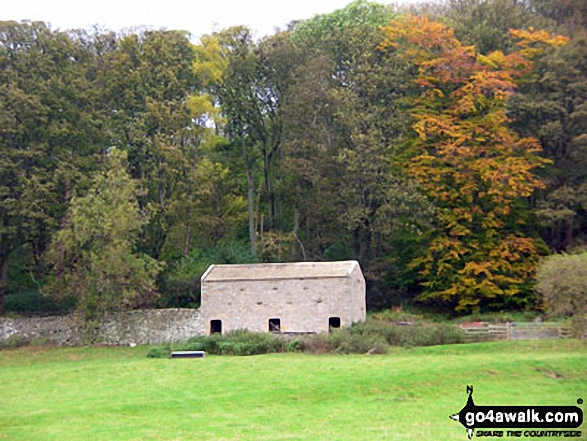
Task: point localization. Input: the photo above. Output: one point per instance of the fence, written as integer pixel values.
(516, 331)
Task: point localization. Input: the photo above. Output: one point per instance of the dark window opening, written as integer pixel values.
(215, 326)
(334, 322)
(274, 325)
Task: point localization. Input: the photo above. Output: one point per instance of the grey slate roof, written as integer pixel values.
(275, 271)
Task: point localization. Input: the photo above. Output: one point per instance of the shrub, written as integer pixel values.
(419, 334)
(500, 317)
(158, 352)
(294, 346)
(40, 341)
(33, 303)
(251, 343)
(194, 346)
(373, 337)
(18, 340)
(180, 283)
(312, 343)
(239, 342)
(562, 282)
(353, 343)
(13, 341)
(376, 336)
(390, 315)
(341, 341)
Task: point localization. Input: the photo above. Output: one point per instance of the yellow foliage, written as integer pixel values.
(494, 60)
(209, 62)
(469, 161)
(200, 105)
(530, 36)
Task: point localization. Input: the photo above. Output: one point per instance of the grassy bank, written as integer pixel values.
(119, 394)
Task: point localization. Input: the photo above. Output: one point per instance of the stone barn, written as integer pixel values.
(283, 297)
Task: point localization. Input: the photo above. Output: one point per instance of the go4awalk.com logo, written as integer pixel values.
(518, 421)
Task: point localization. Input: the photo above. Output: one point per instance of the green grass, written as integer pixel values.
(118, 394)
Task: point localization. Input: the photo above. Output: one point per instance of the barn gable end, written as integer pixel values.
(283, 297)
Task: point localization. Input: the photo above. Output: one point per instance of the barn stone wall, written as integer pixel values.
(301, 305)
(132, 327)
(357, 287)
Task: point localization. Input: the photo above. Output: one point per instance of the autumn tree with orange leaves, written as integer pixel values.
(471, 164)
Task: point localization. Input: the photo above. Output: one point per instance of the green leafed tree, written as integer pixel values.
(551, 109)
(250, 93)
(344, 130)
(93, 257)
(562, 281)
(147, 80)
(555, 110)
(49, 131)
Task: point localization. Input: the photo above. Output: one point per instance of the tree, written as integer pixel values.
(147, 80)
(100, 265)
(554, 109)
(550, 108)
(473, 167)
(344, 122)
(562, 282)
(206, 210)
(250, 95)
(486, 24)
(48, 131)
(227, 67)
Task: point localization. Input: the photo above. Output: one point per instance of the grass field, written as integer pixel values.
(118, 394)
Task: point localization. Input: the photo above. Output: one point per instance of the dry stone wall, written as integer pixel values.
(132, 327)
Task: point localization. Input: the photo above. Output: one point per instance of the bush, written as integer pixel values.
(376, 336)
(14, 341)
(351, 343)
(33, 303)
(372, 337)
(179, 284)
(294, 346)
(313, 343)
(250, 343)
(239, 342)
(159, 352)
(390, 315)
(500, 317)
(341, 342)
(562, 282)
(418, 334)
(193, 346)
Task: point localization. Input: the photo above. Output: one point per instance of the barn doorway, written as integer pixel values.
(333, 322)
(274, 325)
(215, 326)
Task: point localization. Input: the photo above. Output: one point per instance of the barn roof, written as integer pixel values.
(275, 271)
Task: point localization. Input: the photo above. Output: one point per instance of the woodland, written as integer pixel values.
(443, 146)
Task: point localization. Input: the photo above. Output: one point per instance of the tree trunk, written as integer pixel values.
(269, 190)
(219, 216)
(296, 228)
(62, 225)
(250, 197)
(188, 239)
(266, 167)
(569, 233)
(4, 259)
(295, 235)
(38, 248)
